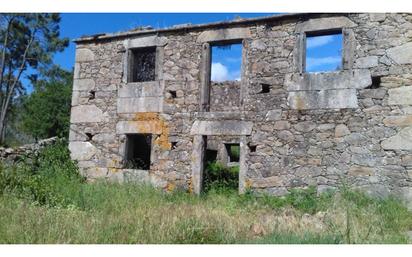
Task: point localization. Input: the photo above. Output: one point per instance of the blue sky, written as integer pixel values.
(322, 51)
(226, 62)
(74, 25)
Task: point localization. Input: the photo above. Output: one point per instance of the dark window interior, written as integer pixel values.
(89, 136)
(173, 93)
(142, 64)
(210, 156)
(138, 148)
(233, 152)
(265, 89)
(92, 94)
(376, 82)
(252, 148)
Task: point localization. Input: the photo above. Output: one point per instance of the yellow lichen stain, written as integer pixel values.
(114, 165)
(190, 186)
(299, 103)
(114, 170)
(170, 187)
(248, 184)
(154, 123)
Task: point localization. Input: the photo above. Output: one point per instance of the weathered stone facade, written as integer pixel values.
(350, 126)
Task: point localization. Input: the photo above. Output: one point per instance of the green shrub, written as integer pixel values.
(234, 151)
(273, 202)
(303, 199)
(217, 177)
(395, 215)
(104, 212)
(49, 178)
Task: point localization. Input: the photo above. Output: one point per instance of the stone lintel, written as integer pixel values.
(328, 80)
(323, 99)
(145, 41)
(223, 35)
(218, 115)
(143, 127)
(228, 128)
(140, 89)
(327, 23)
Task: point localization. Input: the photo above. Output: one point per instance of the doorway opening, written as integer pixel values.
(220, 175)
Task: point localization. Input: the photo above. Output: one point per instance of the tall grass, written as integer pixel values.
(44, 200)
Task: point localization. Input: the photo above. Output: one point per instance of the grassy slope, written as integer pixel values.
(109, 213)
(45, 201)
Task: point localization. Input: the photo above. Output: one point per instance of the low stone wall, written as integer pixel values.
(15, 154)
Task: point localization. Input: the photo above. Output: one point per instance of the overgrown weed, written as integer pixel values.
(45, 200)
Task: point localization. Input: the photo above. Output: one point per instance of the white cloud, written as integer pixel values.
(312, 42)
(312, 63)
(219, 72)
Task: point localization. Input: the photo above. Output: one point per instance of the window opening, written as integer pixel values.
(376, 82)
(233, 152)
(142, 64)
(138, 149)
(265, 88)
(226, 62)
(324, 51)
(252, 148)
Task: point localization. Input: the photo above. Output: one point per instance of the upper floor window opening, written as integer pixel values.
(226, 62)
(323, 52)
(142, 64)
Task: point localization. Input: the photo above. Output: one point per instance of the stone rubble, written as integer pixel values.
(13, 154)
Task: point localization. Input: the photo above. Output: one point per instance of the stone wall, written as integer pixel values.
(225, 96)
(14, 154)
(351, 126)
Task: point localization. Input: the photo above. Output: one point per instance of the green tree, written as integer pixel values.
(27, 44)
(46, 111)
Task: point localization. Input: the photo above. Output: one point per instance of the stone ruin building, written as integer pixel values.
(148, 93)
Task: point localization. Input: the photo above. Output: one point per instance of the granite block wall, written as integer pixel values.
(351, 126)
